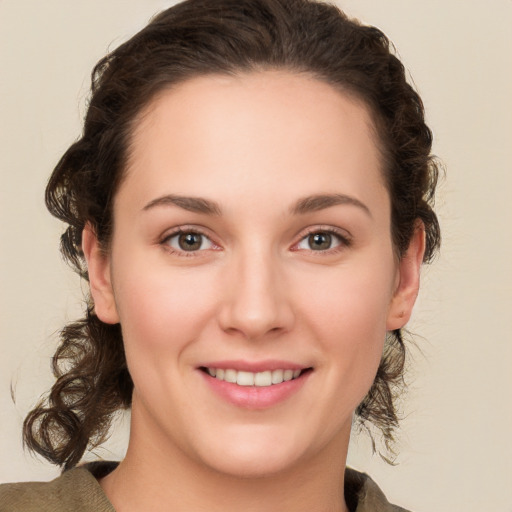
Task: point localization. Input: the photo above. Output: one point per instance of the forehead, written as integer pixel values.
(273, 128)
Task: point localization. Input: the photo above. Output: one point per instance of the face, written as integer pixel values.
(252, 270)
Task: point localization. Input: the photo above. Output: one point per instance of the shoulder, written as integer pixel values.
(76, 489)
(364, 495)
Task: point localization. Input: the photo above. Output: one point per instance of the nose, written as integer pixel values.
(256, 297)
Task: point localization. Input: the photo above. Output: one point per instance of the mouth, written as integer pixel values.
(266, 378)
(255, 385)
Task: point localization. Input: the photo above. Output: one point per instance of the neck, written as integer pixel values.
(157, 475)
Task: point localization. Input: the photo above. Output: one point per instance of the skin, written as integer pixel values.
(255, 145)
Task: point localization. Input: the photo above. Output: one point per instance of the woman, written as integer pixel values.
(250, 203)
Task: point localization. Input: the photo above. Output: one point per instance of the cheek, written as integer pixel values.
(354, 299)
(347, 312)
(161, 310)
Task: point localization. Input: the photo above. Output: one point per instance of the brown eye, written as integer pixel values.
(320, 241)
(189, 241)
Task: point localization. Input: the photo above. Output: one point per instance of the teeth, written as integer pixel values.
(259, 379)
(263, 378)
(230, 375)
(245, 379)
(277, 376)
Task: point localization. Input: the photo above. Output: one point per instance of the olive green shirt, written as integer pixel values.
(78, 490)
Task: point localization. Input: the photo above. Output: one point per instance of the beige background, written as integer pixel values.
(456, 448)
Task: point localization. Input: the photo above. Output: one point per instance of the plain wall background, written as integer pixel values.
(456, 448)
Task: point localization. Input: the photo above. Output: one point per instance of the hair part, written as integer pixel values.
(197, 38)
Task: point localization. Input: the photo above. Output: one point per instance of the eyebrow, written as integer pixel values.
(192, 204)
(302, 206)
(322, 201)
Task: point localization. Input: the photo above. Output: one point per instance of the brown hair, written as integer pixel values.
(194, 38)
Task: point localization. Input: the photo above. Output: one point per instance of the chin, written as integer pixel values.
(253, 465)
(254, 456)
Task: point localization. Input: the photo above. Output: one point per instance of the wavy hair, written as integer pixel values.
(190, 39)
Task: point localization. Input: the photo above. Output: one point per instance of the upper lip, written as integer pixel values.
(254, 366)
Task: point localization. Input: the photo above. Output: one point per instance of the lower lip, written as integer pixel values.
(255, 397)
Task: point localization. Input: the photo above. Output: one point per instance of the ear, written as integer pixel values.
(408, 281)
(100, 281)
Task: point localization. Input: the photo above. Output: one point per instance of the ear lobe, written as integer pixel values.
(408, 281)
(98, 266)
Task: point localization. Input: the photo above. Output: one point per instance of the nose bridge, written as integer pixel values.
(256, 302)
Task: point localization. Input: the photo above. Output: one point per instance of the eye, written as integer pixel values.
(321, 241)
(189, 241)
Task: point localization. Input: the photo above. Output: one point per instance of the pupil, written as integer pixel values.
(320, 241)
(190, 241)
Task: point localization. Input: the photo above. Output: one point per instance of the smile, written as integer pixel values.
(258, 379)
(255, 385)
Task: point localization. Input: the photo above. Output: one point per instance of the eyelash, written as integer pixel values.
(184, 230)
(342, 237)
